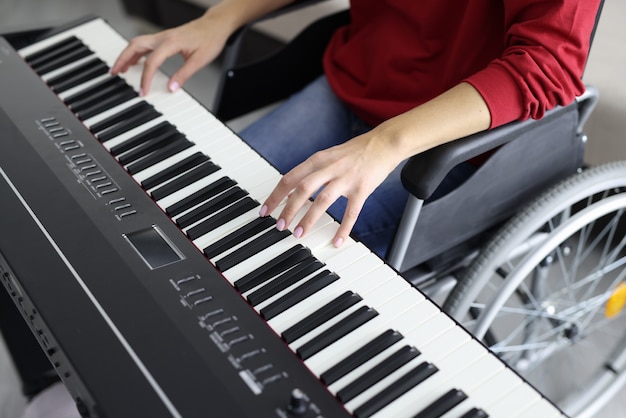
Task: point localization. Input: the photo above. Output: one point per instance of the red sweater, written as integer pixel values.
(523, 56)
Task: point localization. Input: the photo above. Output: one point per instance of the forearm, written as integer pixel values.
(233, 14)
(458, 112)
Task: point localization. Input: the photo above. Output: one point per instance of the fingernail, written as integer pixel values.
(174, 86)
(280, 225)
(263, 211)
(141, 92)
(338, 242)
(298, 232)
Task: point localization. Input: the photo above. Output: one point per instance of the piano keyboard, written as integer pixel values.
(374, 343)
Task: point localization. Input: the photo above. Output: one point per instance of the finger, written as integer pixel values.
(184, 73)
(152, 64)
(350, 216)
(318, 208)
(286, 184)
(130, 55)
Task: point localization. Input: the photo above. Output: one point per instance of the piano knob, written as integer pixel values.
(299, 402)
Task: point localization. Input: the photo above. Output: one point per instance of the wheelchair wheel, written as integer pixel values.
(548, 293)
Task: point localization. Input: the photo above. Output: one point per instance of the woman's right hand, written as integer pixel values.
(199, 42)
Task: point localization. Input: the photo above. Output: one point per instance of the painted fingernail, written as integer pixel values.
(263, 211)
(174, 86)
(298, 232)
(338, 242)
(280, 225)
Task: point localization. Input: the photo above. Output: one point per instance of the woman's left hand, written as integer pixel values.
(352, 169)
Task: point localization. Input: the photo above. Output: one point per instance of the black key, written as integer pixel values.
(163, 128)
(247, 231)
(207, 209)
(191, 176)
(223, 217)
(70, 56)
(377, 373)
(395, 390)
(340, 329)
(133, 121)
(121, 116)
(72, 78)
(174, 170)
(54, 50)
(363, 354)
(98, 90)
(202, 195)
(277, 265)
(158, 156)
(253, 247)
(475, 413)
(320, 316)
(298, 294)
(290, 277)
(150, 146)
(106, 104)
(442, 405)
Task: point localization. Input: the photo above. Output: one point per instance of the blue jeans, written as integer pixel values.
(315, 119)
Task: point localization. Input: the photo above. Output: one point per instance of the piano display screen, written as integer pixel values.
(154, 248)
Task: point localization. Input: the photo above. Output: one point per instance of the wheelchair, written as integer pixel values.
(528, 253)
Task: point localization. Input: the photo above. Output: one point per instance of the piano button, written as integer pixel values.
(542, 408)
(214, 205)
(84, 86)
(285, 281)
(498, 387)
(318, 236)
(115, 110)
(262, 242)
(76, 76)
(162, 128)
(300, 293)
(196, 198)
(321, 316)
(189, 177)
(451, 373)
(519, 399)
(221, 218)
(152, 145)
(244, 233)
(128, 122)
(397, 315)
(475, 413)
(97, 90)
(374, 375)
(351, 265)
(121, 116)
(175, 170)
(411, 379)
(105, 104)
(158, 156)
(350, 323)
(443, 404)
(360, 356)
(52, 51)
(276, 265)
(68, 56)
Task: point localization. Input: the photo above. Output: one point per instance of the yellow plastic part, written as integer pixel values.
(616, 301)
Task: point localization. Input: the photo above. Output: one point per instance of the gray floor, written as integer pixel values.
(606, 128)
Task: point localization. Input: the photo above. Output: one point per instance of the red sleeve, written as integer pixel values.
(546, 48)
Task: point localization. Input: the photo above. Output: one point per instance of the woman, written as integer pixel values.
(403, 77)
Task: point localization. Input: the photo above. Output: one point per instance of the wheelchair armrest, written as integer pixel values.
(423, 173)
